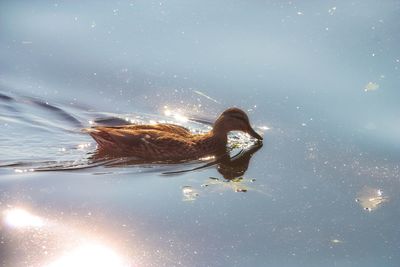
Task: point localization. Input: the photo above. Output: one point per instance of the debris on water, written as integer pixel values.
(371, 198)
(236, 185)
(241, 190)
(189, 193)
(237, 179)
(206, 96)
(336, 241)
(371, 86)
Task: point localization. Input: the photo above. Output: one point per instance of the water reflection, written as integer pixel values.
(232, 169)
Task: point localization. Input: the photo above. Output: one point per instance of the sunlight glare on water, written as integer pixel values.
(22, 219)
(89, 255)
(318, 80)
(177, 115)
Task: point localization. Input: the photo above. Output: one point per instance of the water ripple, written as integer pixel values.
(42, 136)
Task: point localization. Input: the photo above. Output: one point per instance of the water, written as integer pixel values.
(318, 79)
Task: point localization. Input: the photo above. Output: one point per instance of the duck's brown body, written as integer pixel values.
(168, 142)
(156, 142)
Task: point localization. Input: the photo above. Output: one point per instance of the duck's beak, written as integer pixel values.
(254, 134)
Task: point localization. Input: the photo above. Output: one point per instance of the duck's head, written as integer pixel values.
(234, 119)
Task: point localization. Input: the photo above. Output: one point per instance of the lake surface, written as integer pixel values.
(319, 80)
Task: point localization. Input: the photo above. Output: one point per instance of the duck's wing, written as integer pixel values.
(144, 143)
(165, 127)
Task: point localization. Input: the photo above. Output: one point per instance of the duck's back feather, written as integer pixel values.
(163, 141)
(165, 127)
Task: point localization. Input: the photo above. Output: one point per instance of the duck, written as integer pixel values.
(169, 142)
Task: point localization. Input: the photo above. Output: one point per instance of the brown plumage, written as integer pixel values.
(168, 142)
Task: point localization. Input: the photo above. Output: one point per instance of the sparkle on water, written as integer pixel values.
(371, 198)
(319, 80)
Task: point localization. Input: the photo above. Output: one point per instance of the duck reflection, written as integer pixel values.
(235, 167)
(230, 167)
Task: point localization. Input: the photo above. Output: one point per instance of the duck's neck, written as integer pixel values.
(221, 138)
(212, 141)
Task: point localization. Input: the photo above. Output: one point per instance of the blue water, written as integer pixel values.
(319, 81)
